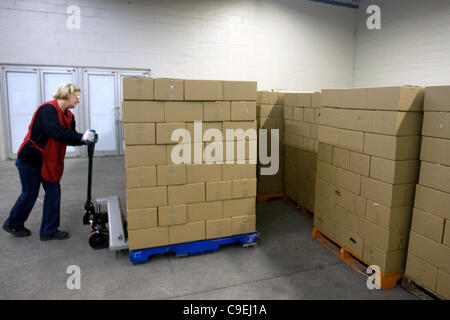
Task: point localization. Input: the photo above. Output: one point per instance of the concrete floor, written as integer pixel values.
(287, 263)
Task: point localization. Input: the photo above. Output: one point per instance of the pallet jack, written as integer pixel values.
(107, 227)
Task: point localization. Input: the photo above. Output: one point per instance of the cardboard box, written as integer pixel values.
(142, 218)
(269, 97)
(243, 110)
(139, 133)
(384, 239)
(164, 132)
(437, 98)
(388, 261)
(326, 172)
(325, 153)
(402, 98)
(348, 239)
(435, 176)
(309, 115)
(203, 90)
(239, 90)
(219, 228)
(142, 111)
(315, 100)
(249, 128)
(205, 126)
(424, 248)
(188, 193)
(169, 89)
(171, 175)
(140, 177)
(346, 139)
(219, 190)
(172, 215)
(270, 111)
(428, 225)
(142, 198)
(432, 201)
(177, 152)
(204, 211)
(436, 124)
(324, 207)
(348, 180)
(238, 171)
(443, 284)
(355, 98)
(350, 201)
(217, 111)
(271, 123)
(203, 172)
(183, 111)
(288, 112)
(330, 98)
(304, 129)
(346, 219)
(435, 150)
(243, 224)
(148, 238)
(392, 148)
(398, 195)
(388, 218)
(290, 99)
(421, 272)
(239, 207)
(325, 189)
(360, 163)
(194, 231)
(149, 155)
(446, 240)
(138, 88)
(396, 123)
(394, 172)
(297, 114)
(304, 99)
(444, 258)
(341, 158)
(244, 188)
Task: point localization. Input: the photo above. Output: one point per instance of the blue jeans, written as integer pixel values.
(30, 178)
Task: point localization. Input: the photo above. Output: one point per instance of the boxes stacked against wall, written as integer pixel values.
(301, 113)
(270, 117)
(428, 262)
(189, 185)
(367, 168)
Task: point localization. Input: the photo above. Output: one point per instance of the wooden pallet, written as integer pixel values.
(303, 211)
(264, 197)
(413, 288)
(385, 281)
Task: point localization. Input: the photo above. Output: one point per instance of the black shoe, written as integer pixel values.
(17, 232)
(59, 235)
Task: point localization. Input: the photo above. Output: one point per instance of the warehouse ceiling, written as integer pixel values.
(354, 4)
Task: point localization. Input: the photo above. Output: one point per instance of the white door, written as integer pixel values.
(101, 102)
(22, 97)
(51, 79)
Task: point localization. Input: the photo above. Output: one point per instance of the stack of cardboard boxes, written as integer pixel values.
(301, 113)
(269, 115)
(428, 261)
(169, 202)
(367, 168)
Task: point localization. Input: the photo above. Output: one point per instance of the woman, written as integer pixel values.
(40, 159)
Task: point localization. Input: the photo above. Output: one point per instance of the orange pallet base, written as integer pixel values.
(386, 280)
(263, 197)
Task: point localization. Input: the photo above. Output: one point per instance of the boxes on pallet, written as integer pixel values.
(367, 168)
(173, 196)
(429, 245)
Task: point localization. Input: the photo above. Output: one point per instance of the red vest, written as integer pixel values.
(54, 151)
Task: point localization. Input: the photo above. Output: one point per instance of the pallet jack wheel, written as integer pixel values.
(98, 240)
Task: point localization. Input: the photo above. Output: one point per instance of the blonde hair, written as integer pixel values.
(65, 90)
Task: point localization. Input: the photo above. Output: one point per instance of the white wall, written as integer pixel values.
(293, 44)
(283, 44)
(412, 47)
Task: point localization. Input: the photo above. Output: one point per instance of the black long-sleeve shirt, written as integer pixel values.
(46, 125)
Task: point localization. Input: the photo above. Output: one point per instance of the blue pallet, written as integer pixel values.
(196, 247)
